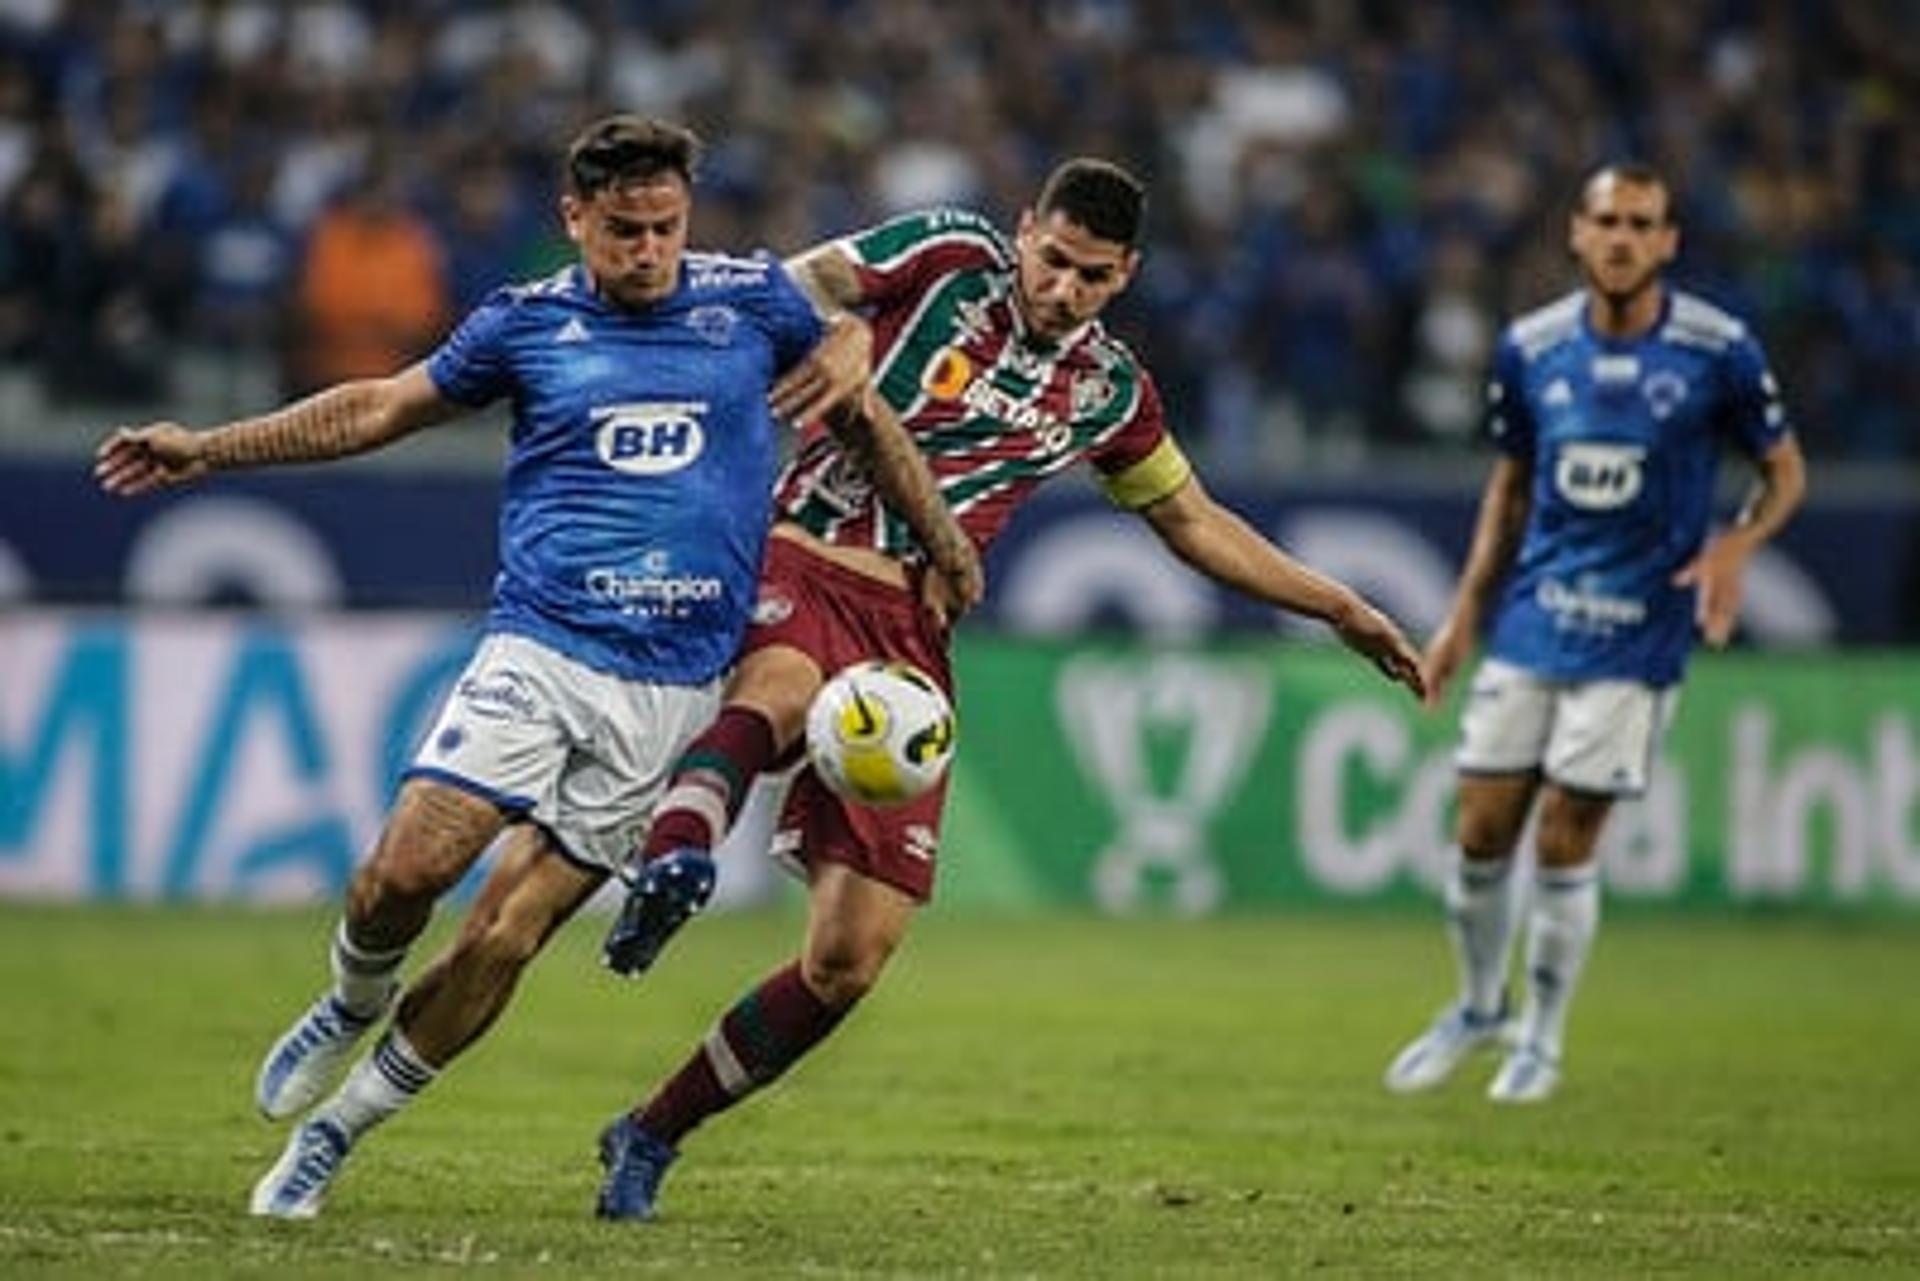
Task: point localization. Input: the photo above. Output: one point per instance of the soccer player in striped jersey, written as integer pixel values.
(1590, 570)
(646, 381)
(992, 352)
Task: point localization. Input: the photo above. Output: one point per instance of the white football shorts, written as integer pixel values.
(584, 754)
(1592, 736)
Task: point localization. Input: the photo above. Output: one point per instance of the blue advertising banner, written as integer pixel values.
(1845, 572)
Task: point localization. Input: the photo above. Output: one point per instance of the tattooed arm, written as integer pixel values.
(351, 418)
(869, 430)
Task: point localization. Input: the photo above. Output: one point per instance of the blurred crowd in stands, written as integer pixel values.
(1348, 194)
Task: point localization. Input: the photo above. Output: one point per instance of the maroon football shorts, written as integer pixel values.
(838, 616)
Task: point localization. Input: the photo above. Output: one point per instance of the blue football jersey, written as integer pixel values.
(639, 477)
(1624, 438)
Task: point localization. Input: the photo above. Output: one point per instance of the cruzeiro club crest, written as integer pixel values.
(1664, 390)
(1123, 719)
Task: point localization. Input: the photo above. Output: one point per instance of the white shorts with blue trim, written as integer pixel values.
(1591, 736)
(584, 754)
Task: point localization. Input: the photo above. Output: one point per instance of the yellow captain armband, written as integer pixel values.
(1154, 477)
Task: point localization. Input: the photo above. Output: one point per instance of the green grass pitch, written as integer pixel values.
(1020, 1098)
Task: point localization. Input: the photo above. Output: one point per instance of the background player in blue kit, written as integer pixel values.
(1590, 569)
(645, 382)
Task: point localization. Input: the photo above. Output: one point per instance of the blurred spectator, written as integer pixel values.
(373, 296)
(1342, 191)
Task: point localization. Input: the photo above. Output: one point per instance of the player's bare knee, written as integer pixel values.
(1487, 838)
(843, 971)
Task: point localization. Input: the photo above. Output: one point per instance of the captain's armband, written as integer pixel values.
(1157, 476)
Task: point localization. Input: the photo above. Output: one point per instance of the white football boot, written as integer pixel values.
(298, 1181)
(1529, 1075)
(305, 1060)
(1433, 1055)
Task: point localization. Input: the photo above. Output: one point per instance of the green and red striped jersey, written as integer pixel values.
(994, 409)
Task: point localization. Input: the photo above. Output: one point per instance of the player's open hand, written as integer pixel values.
(831, 373)
(139, 460)
(1365, 630)
(1716, 574)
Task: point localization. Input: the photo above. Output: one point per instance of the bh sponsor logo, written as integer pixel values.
(649, 438)
(1599, 477)
(651, 588)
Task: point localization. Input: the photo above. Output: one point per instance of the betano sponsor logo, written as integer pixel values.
(950, 377)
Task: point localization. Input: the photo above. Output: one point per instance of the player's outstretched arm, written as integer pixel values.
(1225, 548)
(351, 418)
(869, 430)
(1717, 571)
(1497, 530)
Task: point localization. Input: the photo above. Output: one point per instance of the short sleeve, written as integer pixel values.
(1754, 419)
(1140, 463)
(793, 326)
(1510, 422)
(899, 258)
(471, 367)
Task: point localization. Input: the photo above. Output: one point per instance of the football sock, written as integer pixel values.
(380, 1084)
(1480, 917)
(1566, 914)
(711, 781)
(363, 980)
(754, 1042)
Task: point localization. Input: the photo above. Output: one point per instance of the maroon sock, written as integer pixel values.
(758, 1039)
(711, 781)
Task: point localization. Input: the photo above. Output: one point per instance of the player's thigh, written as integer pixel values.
(432, 836)
(854, 923)
(541, 892)
(1606, 734)
(1570, 825)
(525, 858)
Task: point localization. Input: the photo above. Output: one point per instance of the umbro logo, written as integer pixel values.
(1558, 393)
(572, 331)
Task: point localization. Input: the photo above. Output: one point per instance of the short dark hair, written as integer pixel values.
(1098, 195)
(1634, 173)
(627, 148)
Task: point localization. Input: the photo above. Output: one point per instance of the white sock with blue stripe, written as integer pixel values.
(1566, 915)
(1480, 918)
(380, 1084)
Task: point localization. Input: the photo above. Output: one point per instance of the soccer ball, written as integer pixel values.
(880, 733)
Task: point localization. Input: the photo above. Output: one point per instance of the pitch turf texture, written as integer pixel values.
(1037, 1098)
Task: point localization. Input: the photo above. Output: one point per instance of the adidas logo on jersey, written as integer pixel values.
(572, 331)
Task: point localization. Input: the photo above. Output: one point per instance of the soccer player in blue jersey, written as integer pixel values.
(645, 381)
(1592, 568)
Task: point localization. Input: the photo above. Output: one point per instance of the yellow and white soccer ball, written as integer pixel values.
(880, 732)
